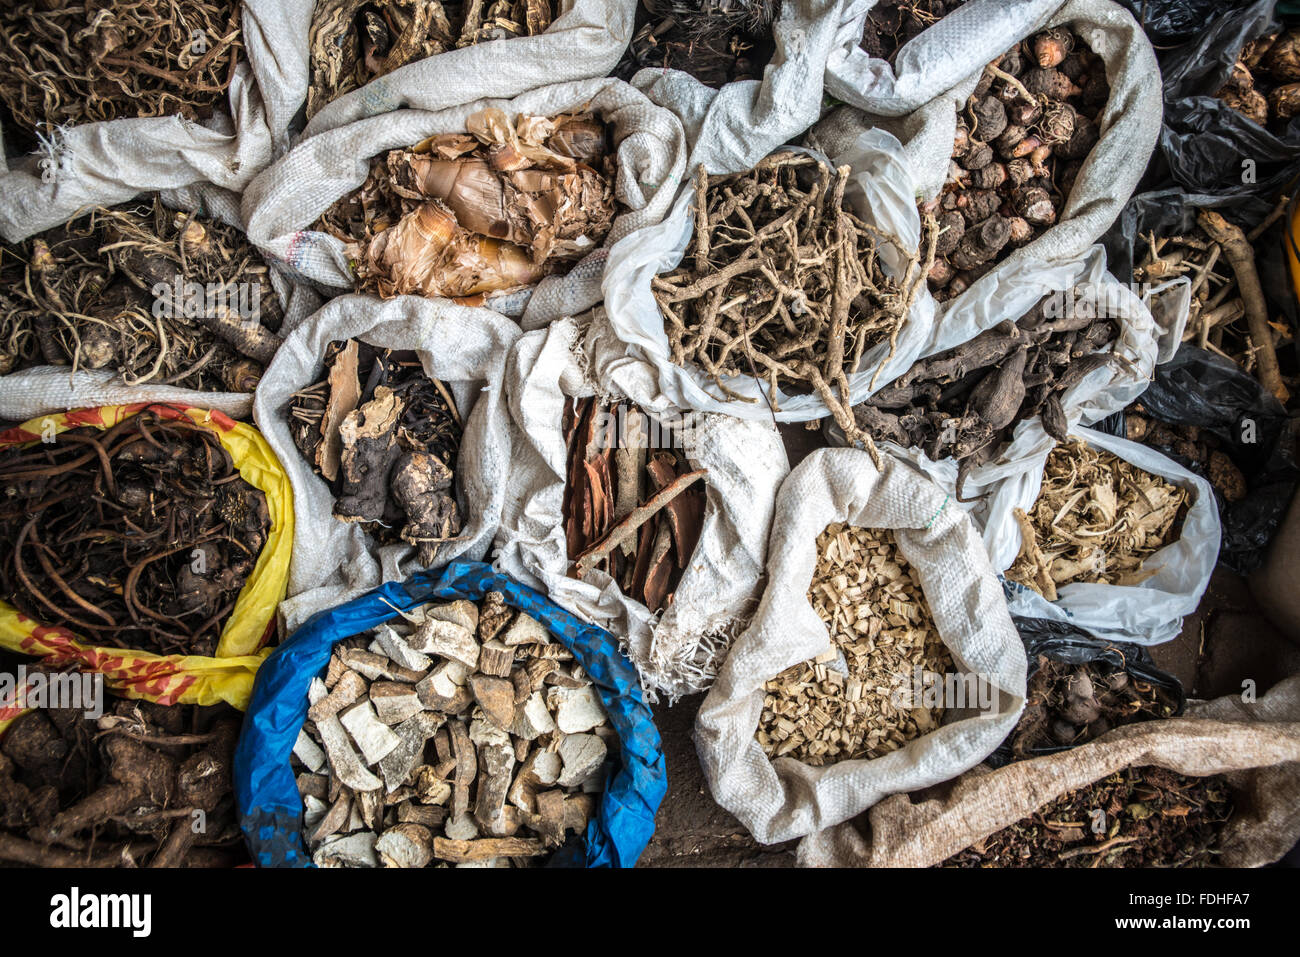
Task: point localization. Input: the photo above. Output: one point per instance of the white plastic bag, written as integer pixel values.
(678, 651)
(783, 798)
(100, 164)
(1149, 613)
(881, 194)
(464, 347)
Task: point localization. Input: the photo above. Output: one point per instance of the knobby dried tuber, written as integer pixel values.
(138, 536)
(385, 436)
(631, 510)
(1264, 85)
(716, 41)
(1097, 519)
(464, 214)
(355, 41)
(892, 24)
(1202, 450)
(1021, 141)
(858, 700)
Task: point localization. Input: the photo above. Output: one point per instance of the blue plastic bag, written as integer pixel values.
(269, 805)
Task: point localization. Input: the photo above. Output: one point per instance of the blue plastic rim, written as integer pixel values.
(266, 793)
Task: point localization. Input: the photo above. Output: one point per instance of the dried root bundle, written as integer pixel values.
(1138, 817)
(716, 41)
(356, 41)
(631, 509)
(892, 24)
(782, 282)
(63, 63)
(1021, 142)
(1096, 520)
(462, 735)
(1264, 85)
(1201, 449)
(143, 786)
(18, 346)
(460, 215)
(965, 403)
(140, 536)
(858, 699)
(385, 436)
(1072, 704)
(161, 297)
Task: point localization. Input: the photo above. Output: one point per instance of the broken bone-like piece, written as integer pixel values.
(430, 787)
(581, 755)
(335, 671)
(390, 643)
(550, 817)
(346, 691)
(396, 766)
(313, 809)
(525, 630)
(334, 820)
(373, 737)
(316, 691)
(540, 770)
(428, 815)
(394, 701)
(355, 850)
(446, 639)
(576, 711)
(370, 806)
(578, 809)
(460, 612)
(444, 689)
(466, 770)
(459, 852)
(344, 761)
(496, 763)
(308, 752)
(494, 614)
(366, 663)
(406, 844)
(495, 659)
(482, 731)
(532, 718)
(496, 696)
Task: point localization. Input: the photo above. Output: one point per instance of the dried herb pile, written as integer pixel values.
(17, 332)
(385, 436)
(1096, 520)
(630, 510)
(1148, 817)
(462, 735)
(1066, 704)
(102, 292)
(1202, 448)
(716, 41)
(891, 24)
(496, 208)
(857, 700)
(782, 282)
(143, 786)
(355, 41)
(1265, 82)
(964, 403)
(64, 63)
(140, 536)
(1021, 142)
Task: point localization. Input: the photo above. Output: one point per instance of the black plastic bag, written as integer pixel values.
(1210, 147)
(1169, 23)
(1071, 645)
(1201, 389)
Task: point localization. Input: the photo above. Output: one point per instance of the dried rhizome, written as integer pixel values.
(1264, 85)
(965, 403)
(892, 24)
(144, 785)
(784, 283)
(1096, 520)
(355, 41)
(1200, 449)
(716, 41)
(159, 296)
(1218, 259)
(1021, 141)
(496, 208)
(461, 735)
(137, 536)
(633, 507)
(386, 437)
(65, 63)
(860, 698)
(1138, 817)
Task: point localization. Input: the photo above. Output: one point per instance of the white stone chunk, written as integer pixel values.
(373, 737)
(390, 643)
(309, 752)
(581, 754)
(344, 760)
(446, 639)
(532, 718)
(525, 630)
(576, 710)
(460, 612)
(354, 850)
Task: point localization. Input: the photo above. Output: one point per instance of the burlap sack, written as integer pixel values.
(783, 799)
(1256, 745)
(100, 164)
(677, 652)
(282, 203)
(1129, 127)
(466, 348)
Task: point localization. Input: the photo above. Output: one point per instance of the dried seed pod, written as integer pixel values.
(1051, 47)
(1050, 83)
(1035, 205)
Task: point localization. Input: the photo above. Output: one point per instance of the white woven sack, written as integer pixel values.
(586, 40)
(781, 799)
(1129, 127)
(282, 203)
(936, 60)
(100, 164)
(466, 348)
(1149, 613)
(880, 191)
(677, 652)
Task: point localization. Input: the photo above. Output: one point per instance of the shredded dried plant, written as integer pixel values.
(356, 41)
(159, 296)
(17, 330)
(64, 63)
(782, 281)
(716, 41)
(1096, 520)
(464, 214)
(858, 699)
